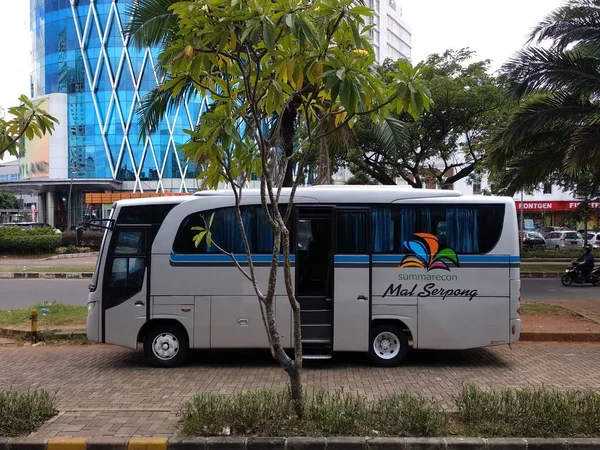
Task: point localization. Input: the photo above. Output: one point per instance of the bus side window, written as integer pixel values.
(127, 272)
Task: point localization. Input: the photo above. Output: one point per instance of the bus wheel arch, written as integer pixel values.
(389, 342)
(166, 342)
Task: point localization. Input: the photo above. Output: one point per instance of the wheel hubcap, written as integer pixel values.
(165, 346)
(386, 345)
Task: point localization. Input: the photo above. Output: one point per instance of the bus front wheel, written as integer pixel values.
(166, 346)
(389, 346)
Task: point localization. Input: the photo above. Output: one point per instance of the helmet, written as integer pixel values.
(588, 248)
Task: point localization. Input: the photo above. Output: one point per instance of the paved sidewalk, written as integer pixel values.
(108, 391)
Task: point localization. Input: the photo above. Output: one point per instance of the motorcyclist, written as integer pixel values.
(586, 262)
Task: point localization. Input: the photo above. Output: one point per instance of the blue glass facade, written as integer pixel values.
(80, 48)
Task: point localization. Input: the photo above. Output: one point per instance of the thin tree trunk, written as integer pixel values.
(297, 392)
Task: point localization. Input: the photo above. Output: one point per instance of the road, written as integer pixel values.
(551, 290)
(24, 293)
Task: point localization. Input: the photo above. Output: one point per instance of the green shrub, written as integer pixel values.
(267, 413)
(410, 415)
(92, 239)
(22, 414)
(23, 241)
(530, 413)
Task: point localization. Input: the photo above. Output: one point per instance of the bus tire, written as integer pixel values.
(166, 346)
(389, 346)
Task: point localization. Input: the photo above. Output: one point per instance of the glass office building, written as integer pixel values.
(80, 49)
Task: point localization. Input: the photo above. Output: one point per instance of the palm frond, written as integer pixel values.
(152, 23)
(159, 102)
(577, 21)
(548, 69)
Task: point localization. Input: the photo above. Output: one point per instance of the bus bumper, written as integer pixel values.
(515, 330)
(92, 322)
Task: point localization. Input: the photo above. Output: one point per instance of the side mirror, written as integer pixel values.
(79, 234)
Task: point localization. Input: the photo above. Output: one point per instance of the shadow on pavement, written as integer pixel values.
(254, 359)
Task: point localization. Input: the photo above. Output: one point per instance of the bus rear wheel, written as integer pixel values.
(166, 346)
(389, 346)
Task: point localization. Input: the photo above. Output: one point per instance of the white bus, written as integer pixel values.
(377, 269)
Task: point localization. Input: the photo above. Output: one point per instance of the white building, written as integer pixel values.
(391, 36)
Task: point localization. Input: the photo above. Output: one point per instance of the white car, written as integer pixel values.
(559, 240)
(594, 239)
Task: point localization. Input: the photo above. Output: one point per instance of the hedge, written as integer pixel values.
(92, 239)
(28, 241)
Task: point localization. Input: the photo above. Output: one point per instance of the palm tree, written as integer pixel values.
(556, 132)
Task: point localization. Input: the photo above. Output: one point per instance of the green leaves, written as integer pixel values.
(27, 121)
(204, 232)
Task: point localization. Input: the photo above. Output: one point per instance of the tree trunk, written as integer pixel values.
(297, 392)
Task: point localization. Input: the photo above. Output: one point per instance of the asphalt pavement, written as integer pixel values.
(551, 289)
(24, 293)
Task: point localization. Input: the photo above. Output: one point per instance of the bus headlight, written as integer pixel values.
(91, 306)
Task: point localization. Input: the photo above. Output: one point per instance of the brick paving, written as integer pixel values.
(108, 391)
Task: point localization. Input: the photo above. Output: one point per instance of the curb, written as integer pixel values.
(11, 333)
(46, 275)
(72, 255)
(539, 336)
(295, 443)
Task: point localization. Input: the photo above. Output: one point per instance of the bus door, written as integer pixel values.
(126, 285)
(352, 279)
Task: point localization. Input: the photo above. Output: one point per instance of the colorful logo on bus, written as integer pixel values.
(426, 254)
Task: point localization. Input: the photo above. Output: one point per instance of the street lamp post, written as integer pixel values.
(72, 170)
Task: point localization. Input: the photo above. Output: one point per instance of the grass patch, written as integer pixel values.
(50, 269)
(534, 308)
(268, 413)
(59, 314)
(22, 414)
(529, 413)
(538, 267)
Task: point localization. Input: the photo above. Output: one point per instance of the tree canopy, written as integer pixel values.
(446, 143)
(8, 201)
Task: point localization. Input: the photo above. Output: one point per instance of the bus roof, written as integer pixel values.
(356, 193)
(154, 200)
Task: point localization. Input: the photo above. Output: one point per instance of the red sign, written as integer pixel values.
(541, 206)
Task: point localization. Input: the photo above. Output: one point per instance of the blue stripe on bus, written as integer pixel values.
(391, 259)
(351, 259)
(218, 258)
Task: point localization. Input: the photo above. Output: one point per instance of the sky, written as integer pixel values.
(494, 29)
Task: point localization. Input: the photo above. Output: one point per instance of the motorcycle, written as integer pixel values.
(572, 275)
